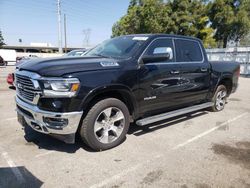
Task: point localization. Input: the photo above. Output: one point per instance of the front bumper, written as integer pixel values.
(60, 124)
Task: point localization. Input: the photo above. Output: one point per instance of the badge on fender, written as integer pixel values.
(108, 64)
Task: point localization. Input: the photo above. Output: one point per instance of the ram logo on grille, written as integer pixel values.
(20, 86)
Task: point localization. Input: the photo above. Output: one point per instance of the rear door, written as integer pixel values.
(194, 70)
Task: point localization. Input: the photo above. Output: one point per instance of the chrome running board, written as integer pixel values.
(171, 114)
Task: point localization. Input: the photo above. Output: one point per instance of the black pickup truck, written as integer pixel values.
(135, 78)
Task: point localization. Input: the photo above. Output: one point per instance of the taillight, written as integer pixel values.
(10, 79)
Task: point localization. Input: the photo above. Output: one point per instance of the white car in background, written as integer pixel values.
(9, 56)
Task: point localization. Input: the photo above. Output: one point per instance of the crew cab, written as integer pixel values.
(135, 78)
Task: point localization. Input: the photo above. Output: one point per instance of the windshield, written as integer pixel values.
(119, 47)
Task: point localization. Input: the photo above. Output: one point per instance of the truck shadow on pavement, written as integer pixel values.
(141, 130)
(18, 177)
(47, 142)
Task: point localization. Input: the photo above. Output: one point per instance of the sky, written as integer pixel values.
(36, 20)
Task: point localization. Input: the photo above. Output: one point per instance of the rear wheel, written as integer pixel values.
(106, 124)
(219, 98)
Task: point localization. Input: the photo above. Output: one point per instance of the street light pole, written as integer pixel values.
(65, 34)
(59, 26)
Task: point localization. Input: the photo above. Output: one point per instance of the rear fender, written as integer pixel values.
(223, 77)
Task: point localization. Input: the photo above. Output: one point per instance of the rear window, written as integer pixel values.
(187, 51)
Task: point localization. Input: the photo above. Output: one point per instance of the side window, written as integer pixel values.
(187, 50)
(161, 46)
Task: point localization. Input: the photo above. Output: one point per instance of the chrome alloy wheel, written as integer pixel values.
(220, 99)
(109, 125)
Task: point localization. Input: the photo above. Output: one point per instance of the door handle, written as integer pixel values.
(203, 69)
(174, 72)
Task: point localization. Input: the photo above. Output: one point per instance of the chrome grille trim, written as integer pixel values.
(27, 86)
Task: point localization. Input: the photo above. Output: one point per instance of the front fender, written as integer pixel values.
(113, 88)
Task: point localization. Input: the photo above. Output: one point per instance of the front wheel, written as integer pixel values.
(219, 98)
(105, 125)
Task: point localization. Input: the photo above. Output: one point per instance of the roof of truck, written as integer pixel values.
(162, 35)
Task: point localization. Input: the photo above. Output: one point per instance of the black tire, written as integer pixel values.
(216, 108)
(87, 132)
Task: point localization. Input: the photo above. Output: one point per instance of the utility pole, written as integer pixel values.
(65, 34)
(59, 26)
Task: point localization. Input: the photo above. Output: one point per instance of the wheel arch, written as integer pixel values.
(227, 82)
(120, 92)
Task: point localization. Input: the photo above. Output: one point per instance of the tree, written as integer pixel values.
(143, 16)
(230, 19)
(1, 39)
(190, 18)
(245, 41)
(182, 17)
(241, 24)
(205, 32)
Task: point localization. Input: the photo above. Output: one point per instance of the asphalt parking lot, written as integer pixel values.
(201, 150)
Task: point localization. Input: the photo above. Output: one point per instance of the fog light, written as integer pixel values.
(56, 123)
(57, 104)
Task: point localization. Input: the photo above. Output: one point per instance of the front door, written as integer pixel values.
(159, 81)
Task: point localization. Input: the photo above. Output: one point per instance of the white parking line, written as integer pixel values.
(123, 173)
(209, 131)
(9, 119)
(43, 154)
(136, 167)
(117, 176)
(13, 168)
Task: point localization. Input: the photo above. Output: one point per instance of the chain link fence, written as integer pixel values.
(239, 54)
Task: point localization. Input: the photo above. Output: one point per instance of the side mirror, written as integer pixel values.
(159, 54)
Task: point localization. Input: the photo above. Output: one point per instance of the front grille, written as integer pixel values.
(25, 87)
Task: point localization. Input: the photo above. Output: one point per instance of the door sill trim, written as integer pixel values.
(159, 117)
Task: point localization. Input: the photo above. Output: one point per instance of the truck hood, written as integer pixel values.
(55, 67)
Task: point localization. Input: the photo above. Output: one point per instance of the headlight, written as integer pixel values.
(60, 87)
